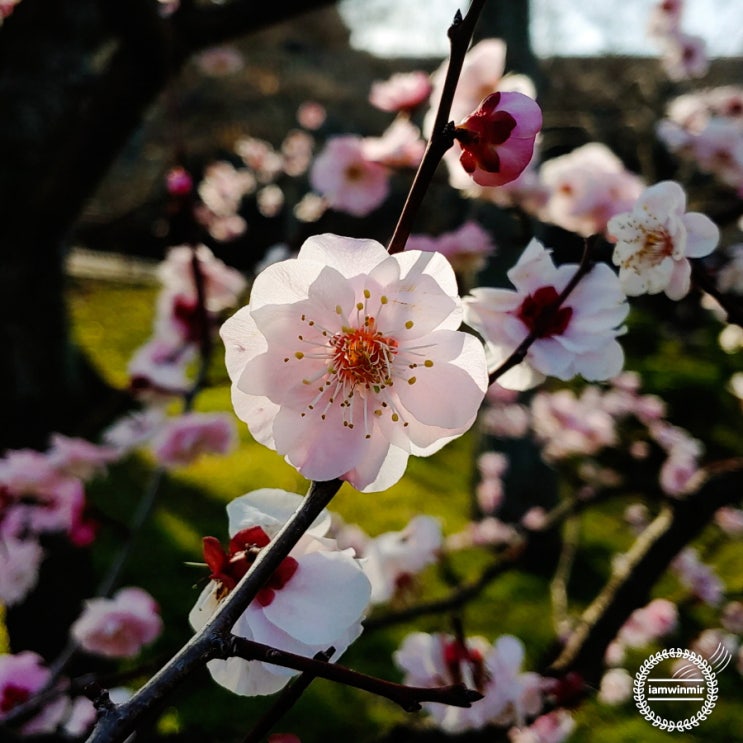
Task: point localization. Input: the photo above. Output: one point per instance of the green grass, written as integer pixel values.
(112, 321)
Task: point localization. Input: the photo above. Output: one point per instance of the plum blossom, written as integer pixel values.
(497, 139)
(347, 179)
(182, 440)
(21, 675)
(553, 727)
(218, 61)
(698, 577)
(467, 247)
(393, 558)
(20, 560)
(341, 360)
(120, 626)
(311, 115)
(77, 457)
(403, 91)
(684, 56)
(577, 338)
(315, 599)
(655, 240)
(648, 623)
(586, 187)
(616, 686)
(509, 695)
(400, 145)
(134, 429)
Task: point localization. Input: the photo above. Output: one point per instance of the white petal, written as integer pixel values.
(242, 340)
(703, 235)
(662, 200)
(270, 508)
(328, 593)
(603, 363)
(380, 468)
(679, 281)
(284, 282)
(350, 256)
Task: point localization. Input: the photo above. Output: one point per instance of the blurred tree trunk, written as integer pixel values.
(76, 78)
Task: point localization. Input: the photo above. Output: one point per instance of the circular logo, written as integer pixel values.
(677, 695)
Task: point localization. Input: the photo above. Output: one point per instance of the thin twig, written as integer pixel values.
(519, 354)
(730, 303)
(442, 134)
(407, 697)
(559, 583)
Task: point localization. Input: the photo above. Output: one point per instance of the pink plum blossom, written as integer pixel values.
(315, 599)
(120, 626)
(553, 727)
(183, 439)
(77, 457)
(730, 520)
(655, 240)
(223, 285)
(568, 425)
(296, 150)
(347, 179)
(665, 18)
(218, 61)
(401, 92)
(311, 115)
(577, 338)
(223, 187)
(497, 139)
(20, 560)
(586, 187)
(400, 145)
(21, 675)
(178, 181)
(467, 247)
(698, 577)
(489, 531)
(391, 559)
(341, 360)
(648, 623)
(134, 429)
(684, 56)
(509, 695)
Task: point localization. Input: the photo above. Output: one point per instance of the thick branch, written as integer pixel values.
(630, 585)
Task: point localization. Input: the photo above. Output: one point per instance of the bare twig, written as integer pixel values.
(442, 134)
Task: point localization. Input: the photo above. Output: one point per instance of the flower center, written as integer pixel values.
(228, 567)
(12, 696)
(539, 314)
(363, 355)
(465, 665)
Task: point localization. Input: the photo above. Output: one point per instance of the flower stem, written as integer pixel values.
(442, 135)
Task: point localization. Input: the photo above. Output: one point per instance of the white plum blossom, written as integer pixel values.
(315, 599)
(579, 337)
(509, 695)
(393, 557)
(655, 240)
(616, 686)
(345, 359)
(20, 560)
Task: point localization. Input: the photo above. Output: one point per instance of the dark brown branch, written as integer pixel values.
(442, 134)
(680, 521)
(407, 697)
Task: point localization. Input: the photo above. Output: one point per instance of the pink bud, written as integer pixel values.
(498, 138)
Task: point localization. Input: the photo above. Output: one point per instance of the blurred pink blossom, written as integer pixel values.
(552, 727)
(220, 60)
(348, 180)
(21, 675)
(401, 92)
(699, 578)
(684, 56)
(311, 115)
(648, 623)
(20, 560)
(400, 145)
(182, 440)
(120, 626)
(586, 188)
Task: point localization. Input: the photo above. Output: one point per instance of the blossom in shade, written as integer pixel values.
(648, 623)
(509, 695)
(315, 599)
(118, 627)
(77, 457)
(401, 92)
(20, 560)
(698, 577)
(553, 727)
(342, 360)
(579, 337)
(348, 180)
(311, 115)
(21, 675)
(220, 60)
(497, 139)
(655, 240)
(182, 440)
